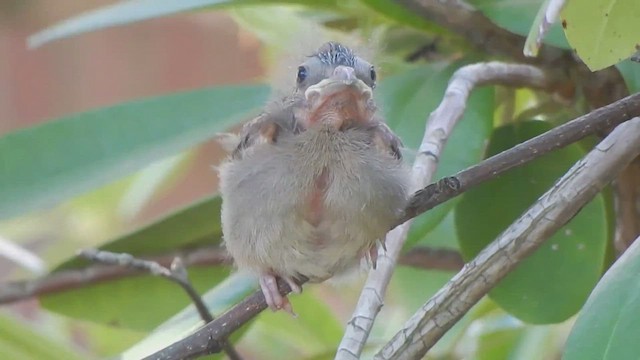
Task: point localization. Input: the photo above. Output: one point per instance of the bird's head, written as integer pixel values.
(337, 87)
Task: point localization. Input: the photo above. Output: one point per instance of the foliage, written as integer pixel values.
(549, 288)
(573, 257)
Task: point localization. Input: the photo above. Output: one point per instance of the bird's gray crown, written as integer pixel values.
(334, 54)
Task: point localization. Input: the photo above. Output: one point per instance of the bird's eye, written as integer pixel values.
(372, 74)
(302, 74)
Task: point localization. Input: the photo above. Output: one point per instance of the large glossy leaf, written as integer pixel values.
(553, 283)
(517, 16)
(400, 14)
(442, 236)
(119, 302)
(130, 11)
(43, 165)
(18, 341)
(607, 327)
(407, 100)
(195, 224)
(602, 32)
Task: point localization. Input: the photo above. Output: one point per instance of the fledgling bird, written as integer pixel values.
(316, 180)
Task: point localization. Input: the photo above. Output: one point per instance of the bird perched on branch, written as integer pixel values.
(314, 182)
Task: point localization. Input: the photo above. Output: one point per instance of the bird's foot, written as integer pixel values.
(371, 255)
(274, 299)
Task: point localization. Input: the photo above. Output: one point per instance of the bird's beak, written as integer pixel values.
(343, 79)
(339, 99)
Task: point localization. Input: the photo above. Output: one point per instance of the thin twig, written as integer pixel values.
(439, 126)
(204, 340)
(176, 273)
(206, 256)
(552, 211)
(71, 279)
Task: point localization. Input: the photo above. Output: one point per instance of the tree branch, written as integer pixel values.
(66, 280)
(600, 88)
(469, 23)
(552, 211)
(208, 339)
(176, 273)
(439, 126)
(204, 340)
(207, 256)
(559, 137)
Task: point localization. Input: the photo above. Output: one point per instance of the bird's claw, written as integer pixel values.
(276, 301)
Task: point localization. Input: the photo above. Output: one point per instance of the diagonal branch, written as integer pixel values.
(204, 340)
(552, 211)
(594, 122)
(439, 126)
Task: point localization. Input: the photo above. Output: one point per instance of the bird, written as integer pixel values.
(315, 181)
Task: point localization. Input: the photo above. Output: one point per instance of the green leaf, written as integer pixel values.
(442, 236)
(607, 328)
(222, 297)
(18, 341)
(107, 341)
(553, 283)
(602, 32)
(126, 12)
(400, 14)
(408, 98)
(46, 164)
(119, 302)
(518, 16)
(195, 224)
(630, 71)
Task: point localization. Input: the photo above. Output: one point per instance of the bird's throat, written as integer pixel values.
(338, 106)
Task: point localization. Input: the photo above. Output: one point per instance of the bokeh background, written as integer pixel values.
(166, 55)
(415, 59)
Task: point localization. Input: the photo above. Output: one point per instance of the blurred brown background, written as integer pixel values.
(151, 58)
(111, 66)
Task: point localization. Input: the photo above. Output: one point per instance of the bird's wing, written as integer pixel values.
(266, 127)
(261, 130)
(386, 140)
